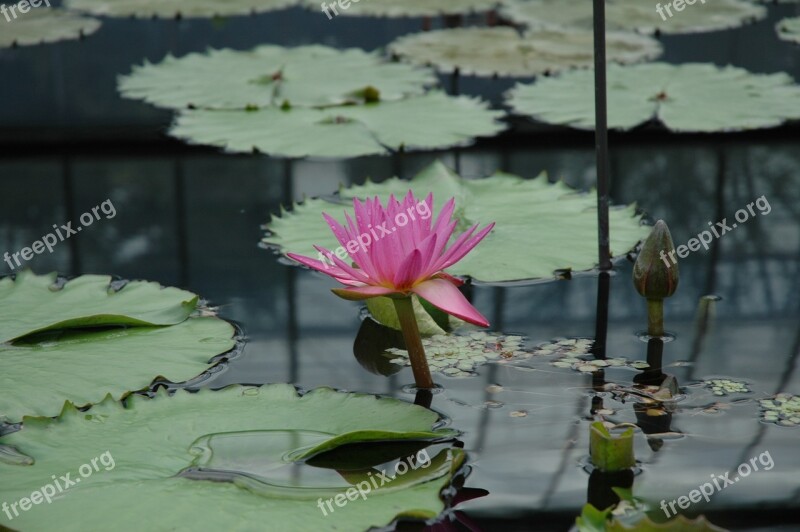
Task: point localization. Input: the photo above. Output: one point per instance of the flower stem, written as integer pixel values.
(655, 317)
(408, 323)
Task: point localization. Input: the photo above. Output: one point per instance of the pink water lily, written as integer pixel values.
(398, 250)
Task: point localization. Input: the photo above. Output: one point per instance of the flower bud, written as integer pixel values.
(655, 273)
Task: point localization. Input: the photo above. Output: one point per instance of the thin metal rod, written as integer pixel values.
(601, 133)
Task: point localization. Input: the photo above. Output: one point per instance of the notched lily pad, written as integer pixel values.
(504, 52)
(406, 8)
(227, 459)
(541, 228)
(271, 76)
(634, 15)
(176, 8)
(33, 303)
(348, 131)
(789, 29)
(691, 97)
(45, 25)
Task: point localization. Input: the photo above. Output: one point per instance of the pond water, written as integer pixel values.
(191, 217)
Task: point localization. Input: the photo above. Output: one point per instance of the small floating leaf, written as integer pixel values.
(789, 29)
(406, 8)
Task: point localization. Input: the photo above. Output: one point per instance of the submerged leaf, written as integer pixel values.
(502, 51)
(540, 227)
(691, 97)
(226, 459)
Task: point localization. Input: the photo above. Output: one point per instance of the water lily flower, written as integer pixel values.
(399, 250)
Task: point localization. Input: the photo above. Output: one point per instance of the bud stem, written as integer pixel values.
(416, 353)
(655, 317)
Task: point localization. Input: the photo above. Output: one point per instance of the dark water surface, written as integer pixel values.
(191, 217)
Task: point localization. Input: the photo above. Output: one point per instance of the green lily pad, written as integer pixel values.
(270, 76)
(44, 25)
(406, 8)
(634, 15)
(687, 98)
(789, 29)
(156, 459)
(37, 374)
(541, 227)
(594, 520)
(504, 52)
(347, 131)
(32, 303)
(782, 409)
(176, 8)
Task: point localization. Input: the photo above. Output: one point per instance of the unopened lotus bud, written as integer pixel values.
(655, 274)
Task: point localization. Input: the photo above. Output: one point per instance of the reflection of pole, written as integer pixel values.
(69, 207)
(181, 229)
(601, 134)
(601, 316)
(291, 285)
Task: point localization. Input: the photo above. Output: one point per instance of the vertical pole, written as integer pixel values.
(601, 133)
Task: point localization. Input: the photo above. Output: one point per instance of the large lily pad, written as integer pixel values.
(634, 15)
(33, 303)
(503, 51)
(247, 439)
(540, 227)
(789, 29)
(44, 25)
(38, 374)
(406, 8)
(690, 98)
(347, 131)
(177, 8)
(271, 76)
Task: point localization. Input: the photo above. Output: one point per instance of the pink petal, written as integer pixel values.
(446, 297)
(457, 252)
(409, 270)
(358, 293)
(358, 275)
(323, 267)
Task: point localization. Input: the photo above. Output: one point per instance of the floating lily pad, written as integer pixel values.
(348, 131)
(789, 29)
(540, 227)
(45, 25)
(406, 8)
(151, 455)
(723, 387)
(459, 355)
(37, 374)
(503, 51)
(782, 409)
(272, 76)
(34, 303)
(176, 8)
(687, 98)
(634, 15)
